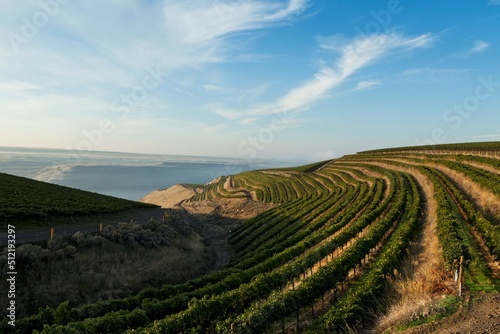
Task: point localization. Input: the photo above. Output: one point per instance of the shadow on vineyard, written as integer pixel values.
(375, 242)
(121, 260)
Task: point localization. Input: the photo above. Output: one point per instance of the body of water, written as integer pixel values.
(124, 175)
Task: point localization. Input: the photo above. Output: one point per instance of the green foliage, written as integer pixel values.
(23, 198)
(460, 147)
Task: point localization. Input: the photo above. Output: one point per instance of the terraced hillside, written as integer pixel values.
(340, 235)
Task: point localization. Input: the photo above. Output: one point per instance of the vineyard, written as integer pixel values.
(324, 256)
(26, 199)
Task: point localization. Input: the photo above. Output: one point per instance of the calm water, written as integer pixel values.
(125, 175)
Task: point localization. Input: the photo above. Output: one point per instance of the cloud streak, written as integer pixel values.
(200, 22)
(352, 57)
(362, 85)
(479, 46)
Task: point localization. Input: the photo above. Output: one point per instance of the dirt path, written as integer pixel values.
(377, 176)
(476, 164)
(478, 314)
(485, 199)
(481, 315)
(422, 275)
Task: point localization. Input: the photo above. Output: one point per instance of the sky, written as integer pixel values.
(296, 79)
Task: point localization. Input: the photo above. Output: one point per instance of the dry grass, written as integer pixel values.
(483, 198)
(423, 278)
(422, 275)
(110, 271)
(486, 200)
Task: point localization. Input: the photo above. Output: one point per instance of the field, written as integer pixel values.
(352, 243)
(23, 199)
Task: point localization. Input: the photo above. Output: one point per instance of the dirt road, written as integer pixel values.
(43, 233)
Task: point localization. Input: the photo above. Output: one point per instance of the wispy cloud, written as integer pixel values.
(177, 34)
(92, 54)
(202, 21)
(353, 56)
(366, 85)
(215, 89)
(113, 42)
(494, 2)
(479, 46)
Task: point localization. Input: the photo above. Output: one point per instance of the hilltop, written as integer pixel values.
(24, 199)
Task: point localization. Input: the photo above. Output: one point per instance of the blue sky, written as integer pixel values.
(297, 79)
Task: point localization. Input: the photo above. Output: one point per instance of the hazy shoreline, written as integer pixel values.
(124, 175)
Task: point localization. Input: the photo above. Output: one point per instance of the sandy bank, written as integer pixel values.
(177, 197)
(169, 198)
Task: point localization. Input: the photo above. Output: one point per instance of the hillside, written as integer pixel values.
(369, 242)
(26, 199)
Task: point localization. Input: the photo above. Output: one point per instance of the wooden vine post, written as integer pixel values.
(51, 233)
(460, 276)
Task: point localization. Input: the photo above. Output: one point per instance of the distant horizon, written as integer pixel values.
(287, 79)
(231, 158)
(148, 154)
(123, 174)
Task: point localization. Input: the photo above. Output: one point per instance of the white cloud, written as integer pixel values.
(367, 84)
(479, 46)
(494, 2)
(209, 128)
(353, 56)
(92, 54)
(113, 42)
(197, 22)
(215, 88)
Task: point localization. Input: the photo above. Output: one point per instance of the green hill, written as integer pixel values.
(484, 147)
(23, 198)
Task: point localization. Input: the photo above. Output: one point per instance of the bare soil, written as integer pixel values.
(212, 219)
(34, 234)
(171, 197)
(478, 314)
(177, 197)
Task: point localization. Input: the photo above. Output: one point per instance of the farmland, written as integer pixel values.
(339, 236)
(24, 199)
